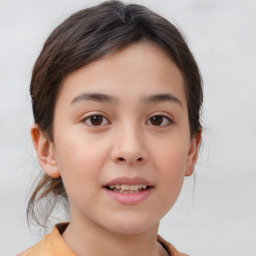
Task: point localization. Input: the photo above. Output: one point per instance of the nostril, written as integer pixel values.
(120, 159)
(135, 160)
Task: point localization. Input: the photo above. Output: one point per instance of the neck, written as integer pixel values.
(88, 238)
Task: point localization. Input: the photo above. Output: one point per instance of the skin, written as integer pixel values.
(128, 142)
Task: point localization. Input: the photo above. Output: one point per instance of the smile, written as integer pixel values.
(128, 189)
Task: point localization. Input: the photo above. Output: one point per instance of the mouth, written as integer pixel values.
(128, 189)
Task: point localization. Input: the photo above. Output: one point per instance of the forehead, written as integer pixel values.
(140, 68)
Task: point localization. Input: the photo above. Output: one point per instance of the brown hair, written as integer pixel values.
(86, 36)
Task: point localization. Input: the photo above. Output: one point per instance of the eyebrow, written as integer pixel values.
(100, 97)
(155, 98)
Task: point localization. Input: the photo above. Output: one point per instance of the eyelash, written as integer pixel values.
(89, 119)
(167, 120)
(164, 119)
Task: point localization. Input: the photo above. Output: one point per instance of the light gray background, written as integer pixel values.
(220, 217)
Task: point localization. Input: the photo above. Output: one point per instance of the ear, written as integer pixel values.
(193, 153)
(45, 152)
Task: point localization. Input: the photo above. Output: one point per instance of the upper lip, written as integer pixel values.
(129, 181)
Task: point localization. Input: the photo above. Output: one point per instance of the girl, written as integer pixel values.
(116, 97)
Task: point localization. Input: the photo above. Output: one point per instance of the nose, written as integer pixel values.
(129, 148)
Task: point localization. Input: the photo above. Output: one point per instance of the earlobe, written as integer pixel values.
(189, 170)
(45, 152)
(193, 154)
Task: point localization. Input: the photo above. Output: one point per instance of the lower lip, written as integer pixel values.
(132, 198)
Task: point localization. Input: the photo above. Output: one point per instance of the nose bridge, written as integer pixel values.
(129, 145)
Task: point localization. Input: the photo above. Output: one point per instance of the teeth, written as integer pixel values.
(125, 187)
(126, 191)
(134, 187)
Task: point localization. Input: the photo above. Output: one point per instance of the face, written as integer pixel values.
(121, 122)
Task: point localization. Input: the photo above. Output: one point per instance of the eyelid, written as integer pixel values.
(88, 116)
(164, 115)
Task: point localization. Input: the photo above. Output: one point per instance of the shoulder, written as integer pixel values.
(42, 248)
(51, 244)
(169, 247)
(35, 250)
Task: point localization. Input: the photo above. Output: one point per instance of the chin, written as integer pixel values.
(131, 226)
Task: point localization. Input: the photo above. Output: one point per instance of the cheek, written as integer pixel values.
(171, 172)
(170, 155)
(79, 164)
(77, 152)
(170, 162)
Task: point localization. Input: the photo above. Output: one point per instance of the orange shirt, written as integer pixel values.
(54, 245)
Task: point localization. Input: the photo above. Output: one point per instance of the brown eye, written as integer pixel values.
(159, 121)
(96, 120)
(156, 120)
